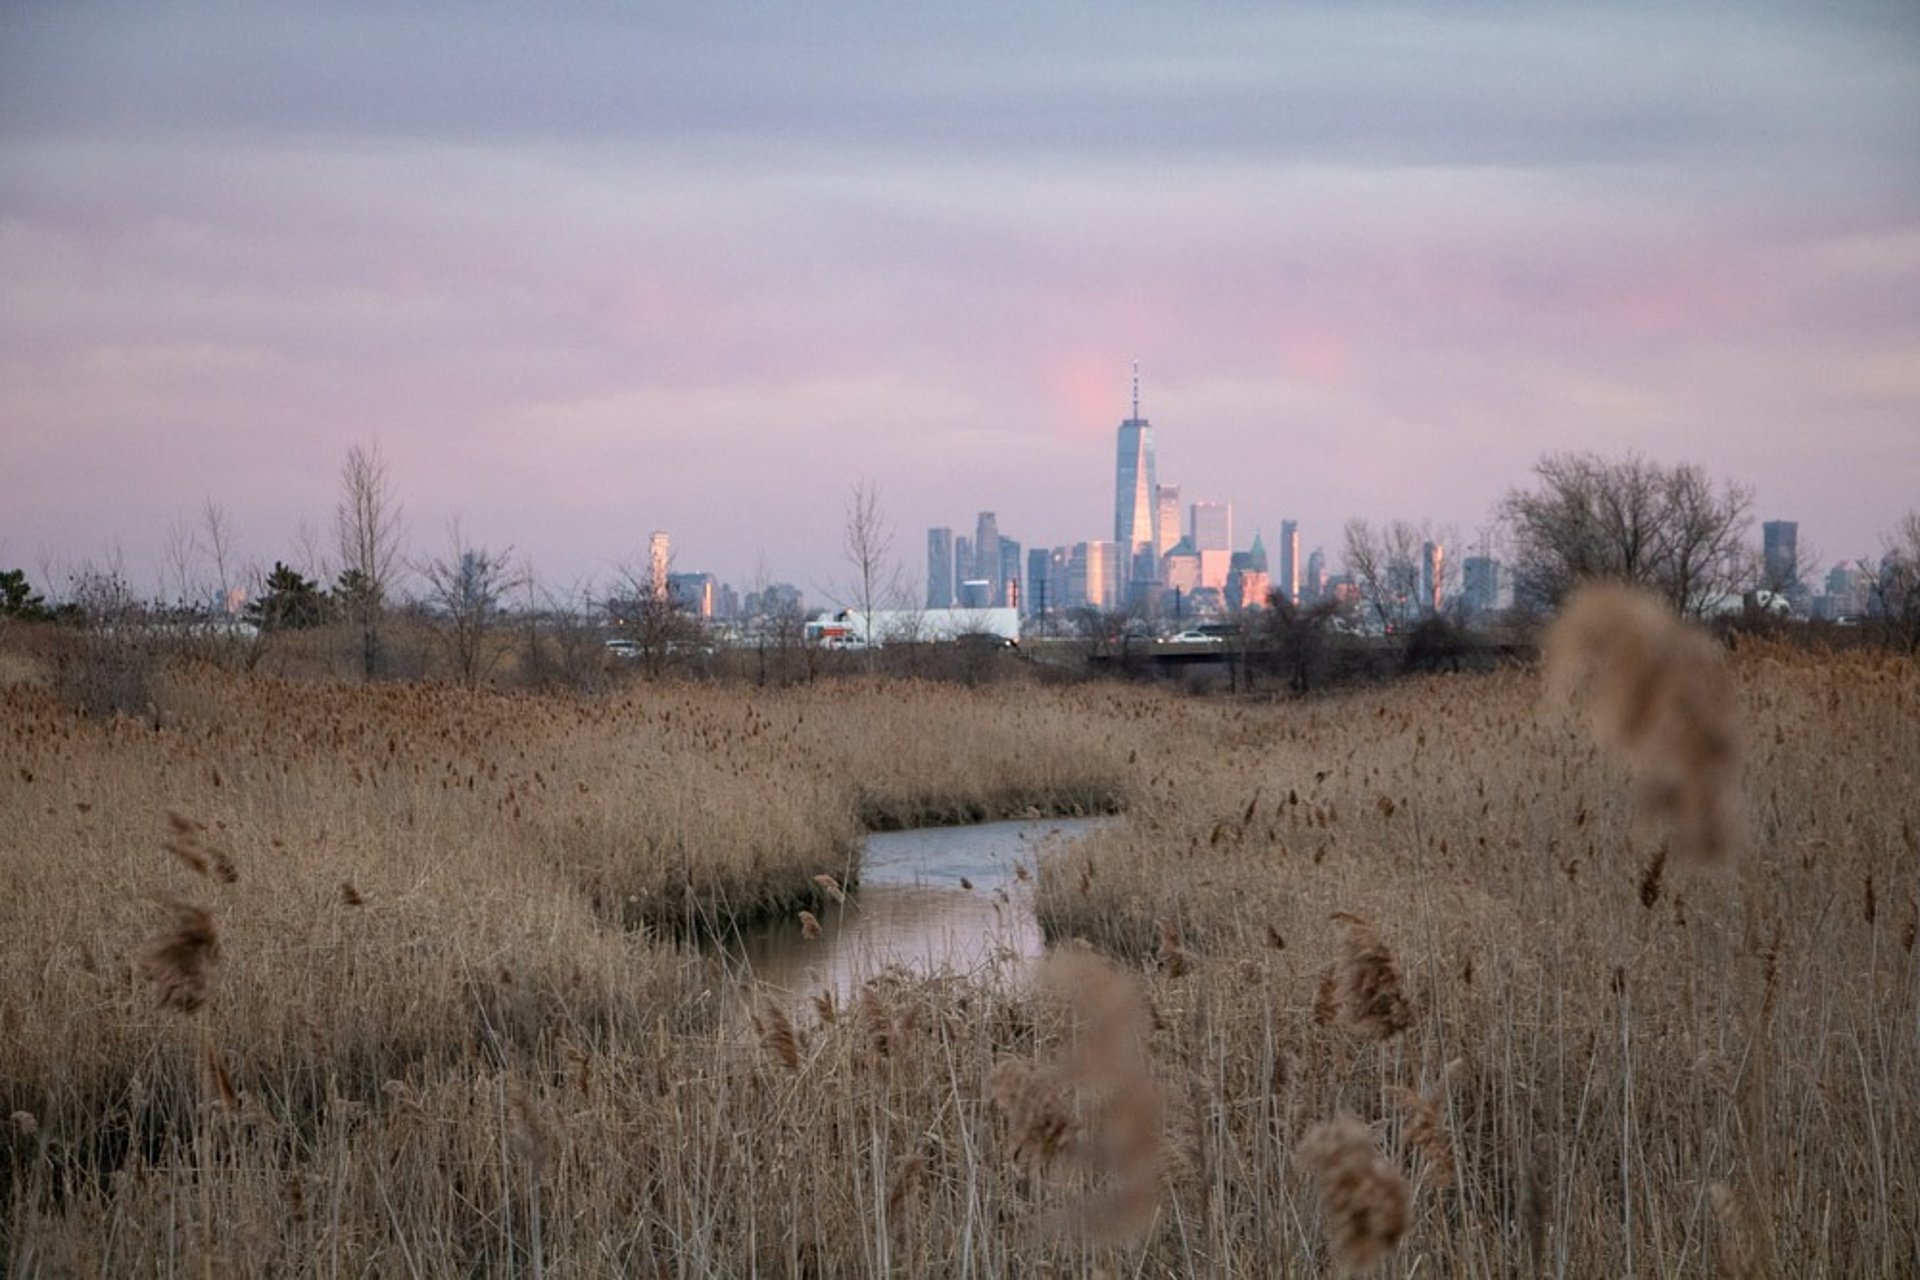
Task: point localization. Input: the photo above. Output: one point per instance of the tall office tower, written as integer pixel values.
(659, 556)
(1780, 553)
(1316, 584)
(1040, 598)
(1480, 584)
(1433, 559)
(1136, 500)
(939, 568)
(1009, 573)
(1094, 576)
(1075, 595)
(1212, 526)
(1213, 540)
(694, 593)
(986, 555)
(962, 562)
(1168, 502)
(1288, 583)
(1113, 563)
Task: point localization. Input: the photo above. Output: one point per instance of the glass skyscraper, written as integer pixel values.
(1136, 502)
(940, 568)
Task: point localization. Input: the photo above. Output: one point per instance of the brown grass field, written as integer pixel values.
(1402, 979)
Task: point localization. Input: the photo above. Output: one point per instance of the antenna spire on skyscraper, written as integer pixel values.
(1136, 390)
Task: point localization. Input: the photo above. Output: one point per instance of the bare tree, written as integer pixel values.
(465, 598)
(866, 543)
(776, 627)
(1893, 586)
(563, 638)
(1387, 572)
(308, 556)
(1299, 638)
(180, 584)
(1633, 520)
(216, 545)
(367, 526)
(650, 624)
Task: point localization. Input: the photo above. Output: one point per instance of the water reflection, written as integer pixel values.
(935, 900)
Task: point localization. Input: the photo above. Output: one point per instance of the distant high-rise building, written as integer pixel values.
(986, 555)
(1009, 597)
(1041, 597)
(1248, 581)
(1136, 503)
(1433, 559)
(1180, 571)
(1093, 575)
(1848, 592)
(1212, 526)
(940, 568)
(1780, 554)
(1479, 585)
(1316, 584)
(962, 562)
(694, 593)
(1168, 504)
(1213, 539)
(1288, 582)
(659, 556)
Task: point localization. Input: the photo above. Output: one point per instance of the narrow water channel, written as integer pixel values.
(933, 900)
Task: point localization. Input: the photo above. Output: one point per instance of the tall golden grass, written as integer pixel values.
(458, 1024)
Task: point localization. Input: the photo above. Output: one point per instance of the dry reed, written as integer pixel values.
(1660, 696)
(1371, 1000)
(531, 835)
(1097, 1107)
(1367, 1203)
(180, 961)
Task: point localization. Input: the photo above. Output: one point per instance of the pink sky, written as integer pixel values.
(588, 272)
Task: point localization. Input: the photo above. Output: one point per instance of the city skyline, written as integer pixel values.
(704, 271)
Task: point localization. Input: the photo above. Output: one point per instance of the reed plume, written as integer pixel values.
(1742, 1251)
(1096, 1108)
(180, 961)
(1367, 1203)
(188, 842)
(1173, 956)
(529, 1134)
(1426, 1131)
(1370, 995)
(1660, 697)
(906, 1181)
(777, 1035)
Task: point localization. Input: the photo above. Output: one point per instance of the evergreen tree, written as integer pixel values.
(290, 602)
(19, 600)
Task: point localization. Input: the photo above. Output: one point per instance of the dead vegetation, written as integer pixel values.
(1398, 981)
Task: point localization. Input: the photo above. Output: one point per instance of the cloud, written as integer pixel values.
(593, 271)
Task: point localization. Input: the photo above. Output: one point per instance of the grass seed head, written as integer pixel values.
(1660, 697)
(1367, 1203)
(180, 961)
(1370, 994)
